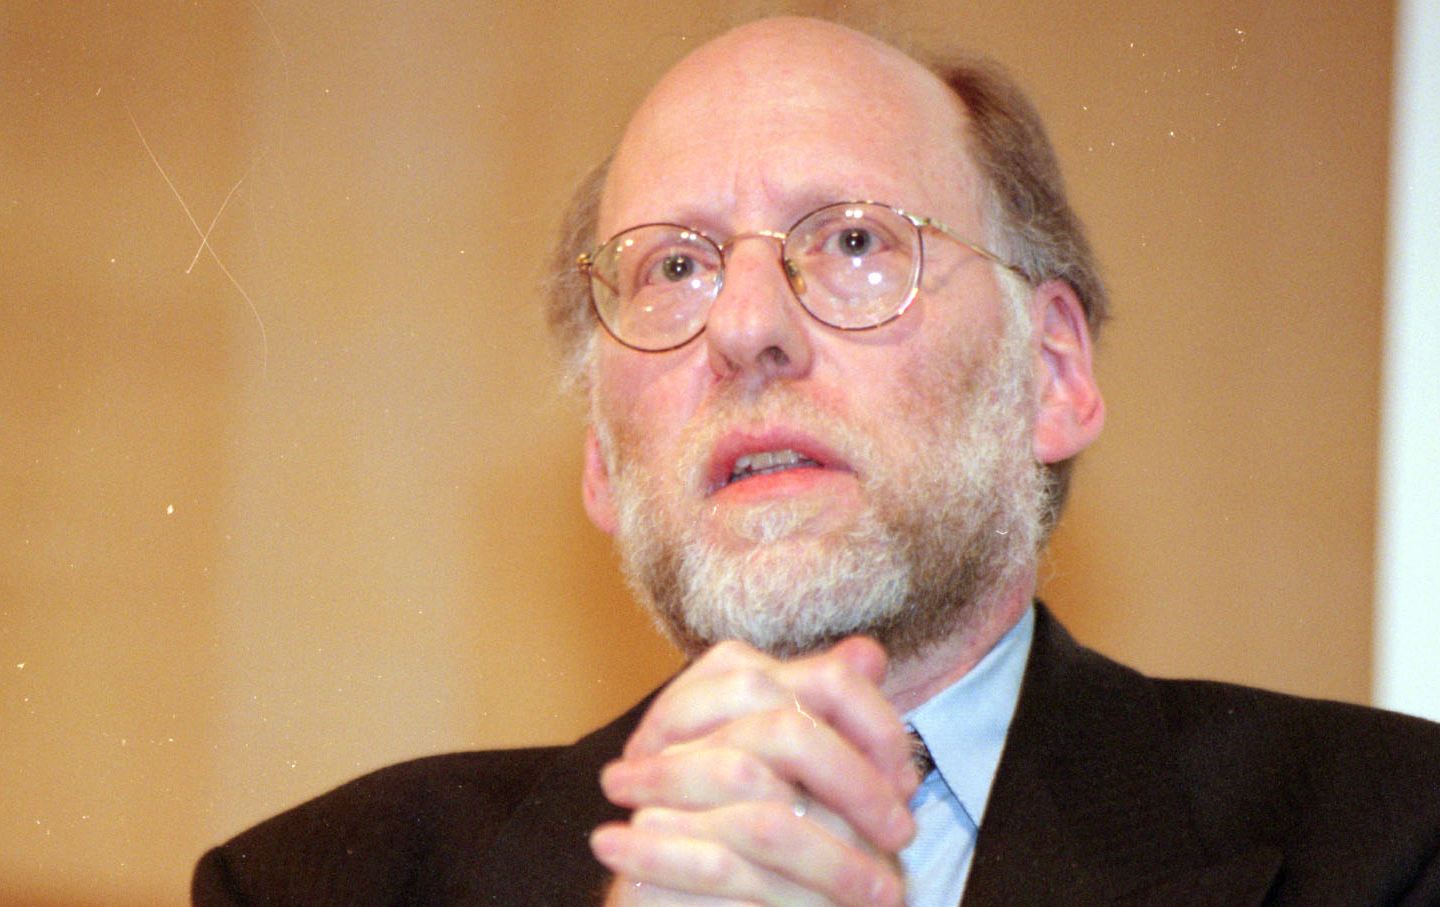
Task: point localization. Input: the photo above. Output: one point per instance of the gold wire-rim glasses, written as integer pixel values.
(586, 263)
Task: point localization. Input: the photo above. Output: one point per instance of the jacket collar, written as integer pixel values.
(1088, 805)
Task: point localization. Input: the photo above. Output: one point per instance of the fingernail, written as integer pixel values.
(615, 780)
(604, 845)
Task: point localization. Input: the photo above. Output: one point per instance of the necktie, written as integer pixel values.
(920, 755)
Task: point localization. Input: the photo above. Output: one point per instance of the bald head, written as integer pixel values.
(1002, 155)
(785, 50)
(757, 111)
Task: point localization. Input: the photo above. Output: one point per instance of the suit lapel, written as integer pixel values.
(541, 858)
(1088, 806)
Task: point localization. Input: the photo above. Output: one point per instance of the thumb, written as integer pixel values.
(862, 655)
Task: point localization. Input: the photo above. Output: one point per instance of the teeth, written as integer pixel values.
(768, 461)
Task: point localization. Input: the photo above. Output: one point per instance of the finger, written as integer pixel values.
(838, 688)
(695, 866)
(692, 778)
(728, 682)
(800, 850)
(629, 893)
(719, 772)
(864, 656)
(815, 759)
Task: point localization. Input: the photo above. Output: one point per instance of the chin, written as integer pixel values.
(803, 521)
(788, 595)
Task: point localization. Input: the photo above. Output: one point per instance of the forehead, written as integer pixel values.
(761, 126)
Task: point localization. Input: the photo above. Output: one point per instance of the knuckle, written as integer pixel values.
(767, 827)
(789, 725)
(751, 684)
(738, 773)
(714, 868)
(649, 862)
(861, 875)
(643, 858)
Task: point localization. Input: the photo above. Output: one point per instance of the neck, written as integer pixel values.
(911, 681)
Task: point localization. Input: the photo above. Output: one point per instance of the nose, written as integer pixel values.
(756, 331)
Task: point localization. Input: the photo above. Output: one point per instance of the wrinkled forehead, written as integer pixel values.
(776, 118)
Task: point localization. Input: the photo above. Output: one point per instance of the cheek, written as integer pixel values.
(942, 372)
(642, 403)
(933, 370)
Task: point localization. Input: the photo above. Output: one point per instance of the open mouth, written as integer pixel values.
(767, 462)
(742, 456)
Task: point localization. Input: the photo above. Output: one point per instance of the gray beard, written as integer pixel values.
(949, 530)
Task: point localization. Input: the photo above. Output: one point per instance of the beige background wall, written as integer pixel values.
(306, 503)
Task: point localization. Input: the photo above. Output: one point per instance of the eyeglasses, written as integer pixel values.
(851, 265)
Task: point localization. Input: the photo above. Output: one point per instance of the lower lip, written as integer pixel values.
(782, 484)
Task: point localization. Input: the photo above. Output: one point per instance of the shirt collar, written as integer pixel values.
(964, 725)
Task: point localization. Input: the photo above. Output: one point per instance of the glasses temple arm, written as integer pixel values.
(586, 265)
(978, 250)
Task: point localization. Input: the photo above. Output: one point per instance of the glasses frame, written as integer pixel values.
(585, 263)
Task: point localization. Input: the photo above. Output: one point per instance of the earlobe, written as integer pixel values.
(1071, 410)
(595, 485)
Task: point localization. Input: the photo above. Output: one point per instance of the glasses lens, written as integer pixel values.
(859, 263)
(653, 285)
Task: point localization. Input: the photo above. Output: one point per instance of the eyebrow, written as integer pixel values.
(795, 206)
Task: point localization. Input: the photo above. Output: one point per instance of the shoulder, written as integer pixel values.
(1255, 741)
(1334, 758)
(1209, 709)
(1348, 795)
(1230, 718)
(496, 827)
(364, 841)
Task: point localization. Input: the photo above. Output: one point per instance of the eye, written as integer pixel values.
(848, 234)
(676, 267)
(668, 263)
(672, 266)
(855, 241)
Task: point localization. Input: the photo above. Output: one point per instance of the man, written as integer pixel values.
(834, 317)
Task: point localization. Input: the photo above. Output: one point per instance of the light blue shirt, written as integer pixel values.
(964, 727)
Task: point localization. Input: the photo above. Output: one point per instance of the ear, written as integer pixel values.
(595, 485)
(1071, 410)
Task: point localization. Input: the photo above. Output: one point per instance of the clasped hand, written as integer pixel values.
(757, 781)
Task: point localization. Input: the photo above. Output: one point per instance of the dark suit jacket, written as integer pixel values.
(1113, 788)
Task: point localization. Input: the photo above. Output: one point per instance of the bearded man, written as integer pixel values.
(834, 317)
